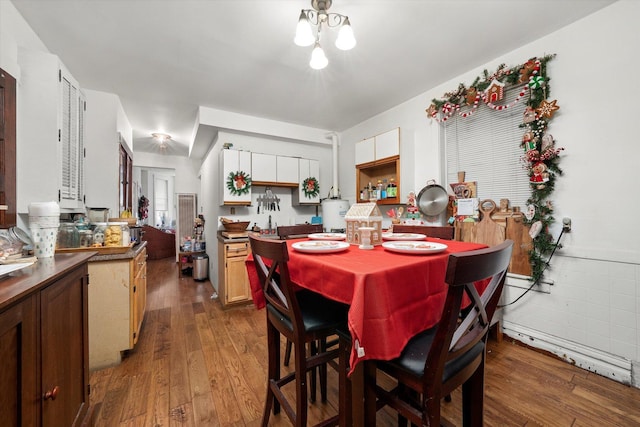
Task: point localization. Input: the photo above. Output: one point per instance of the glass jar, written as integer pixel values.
(113, 234)
(126, 234)
(98, 233)
(68, 236)
(86, 238)
(9, 243)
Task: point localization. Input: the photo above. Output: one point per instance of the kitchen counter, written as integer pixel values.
(131, 253)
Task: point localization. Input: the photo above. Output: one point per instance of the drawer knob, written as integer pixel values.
(51, 394)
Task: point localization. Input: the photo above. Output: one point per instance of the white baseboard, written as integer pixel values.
(599, 362)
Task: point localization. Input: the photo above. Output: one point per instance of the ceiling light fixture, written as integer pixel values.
(162, 138)
(317, 17)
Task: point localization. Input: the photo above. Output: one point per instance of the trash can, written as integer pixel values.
(200, 266)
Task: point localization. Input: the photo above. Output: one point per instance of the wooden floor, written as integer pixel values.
(197, 365)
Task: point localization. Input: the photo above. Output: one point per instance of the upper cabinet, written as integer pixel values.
(378, 162)
(8, 150)
(287, 170)
(50, 150)
(378, 147)
(309, 171)
(273, 170)
(234, 167)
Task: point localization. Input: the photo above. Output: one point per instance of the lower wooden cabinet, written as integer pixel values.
(44, 372)
(117, 302)
(233, 281)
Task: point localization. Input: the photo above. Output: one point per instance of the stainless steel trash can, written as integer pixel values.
(200, 266)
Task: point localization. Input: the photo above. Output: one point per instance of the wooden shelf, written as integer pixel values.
(371, 172)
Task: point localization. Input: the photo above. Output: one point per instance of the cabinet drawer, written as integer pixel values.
(236, 249)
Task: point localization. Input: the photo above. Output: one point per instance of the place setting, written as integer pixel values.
(320, 246)
(415, 247)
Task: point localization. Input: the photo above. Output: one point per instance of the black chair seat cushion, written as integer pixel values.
(318, 312)
(414, 356)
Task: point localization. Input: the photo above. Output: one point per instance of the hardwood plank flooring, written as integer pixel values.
(198, 365)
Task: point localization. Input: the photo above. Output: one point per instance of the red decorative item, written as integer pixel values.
(495, 91)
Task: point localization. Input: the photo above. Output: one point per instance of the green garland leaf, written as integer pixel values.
(310, 187)
(238, 183)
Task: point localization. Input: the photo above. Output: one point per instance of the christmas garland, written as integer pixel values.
(238, 183)
(310, 187)
(541, 158)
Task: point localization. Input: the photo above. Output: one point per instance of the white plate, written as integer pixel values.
(403, 236)
(408, 247)
(328, 236)
(320, 246)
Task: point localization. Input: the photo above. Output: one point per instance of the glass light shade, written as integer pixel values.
(304, 34)
(345, 40)
(318, 58)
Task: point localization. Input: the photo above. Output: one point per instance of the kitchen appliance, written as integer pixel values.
(333, 212)
(136, 234)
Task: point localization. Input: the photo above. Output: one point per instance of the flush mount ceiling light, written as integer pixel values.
(162, 138)
(318, 16)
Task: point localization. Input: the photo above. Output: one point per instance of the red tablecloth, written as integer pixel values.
(391, 296)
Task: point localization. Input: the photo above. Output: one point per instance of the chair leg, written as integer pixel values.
(273, 372)
(344, 385)
(287, 353)
(370, 393)
(473, 398)
(301, 385)
(313, 349)
(322, 373)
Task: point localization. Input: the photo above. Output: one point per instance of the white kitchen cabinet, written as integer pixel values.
(287, 170)
(307, 168)
(50, 145)
(379, 147)
(263, 167)
(234, 161)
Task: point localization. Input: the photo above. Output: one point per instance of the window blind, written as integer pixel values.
(486, 146)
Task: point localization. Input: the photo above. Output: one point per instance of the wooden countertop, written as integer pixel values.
(28, 280)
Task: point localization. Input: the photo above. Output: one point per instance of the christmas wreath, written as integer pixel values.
(541, 156)
(238, 183)
(310, 187)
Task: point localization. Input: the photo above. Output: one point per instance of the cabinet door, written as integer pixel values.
(388, 144)
(139, 298)
(8, 150)
(365, 151)
(18, 384)
(287, 170)
(64, 354)
(233, 161)
(237, 281)
(264, 167)
(308, 168)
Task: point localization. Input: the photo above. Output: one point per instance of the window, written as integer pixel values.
(487, 147)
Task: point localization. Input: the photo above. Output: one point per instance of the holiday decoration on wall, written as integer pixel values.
(310, 187)
(540, 158)
(238, 183)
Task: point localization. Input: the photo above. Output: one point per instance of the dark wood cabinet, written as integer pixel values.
(44, 374)
(7, 150)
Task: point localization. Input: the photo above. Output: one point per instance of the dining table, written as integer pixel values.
(392, 296)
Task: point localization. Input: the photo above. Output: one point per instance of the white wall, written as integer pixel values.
(591, 315)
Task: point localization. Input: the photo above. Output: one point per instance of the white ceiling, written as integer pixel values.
(164, 58)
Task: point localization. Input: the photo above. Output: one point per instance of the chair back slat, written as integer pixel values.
(460, 328)
(300, 230)
(441, 232)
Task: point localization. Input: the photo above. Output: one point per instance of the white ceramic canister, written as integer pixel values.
(44, 219)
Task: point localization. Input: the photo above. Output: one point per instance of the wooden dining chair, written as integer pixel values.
(299, 230)
(452, 353)
(292, 232)
(303, 317)
(441, 232)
